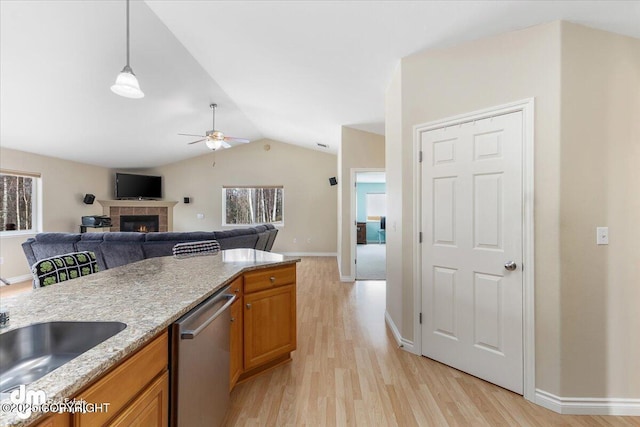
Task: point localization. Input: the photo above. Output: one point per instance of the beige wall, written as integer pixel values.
(396, 298)
(600, 186)
(586, 88)
(359, 149)
(309, 200)
(441, 83)
(64, 184)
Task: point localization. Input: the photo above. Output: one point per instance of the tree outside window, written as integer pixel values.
(17, 197)
(252, 205)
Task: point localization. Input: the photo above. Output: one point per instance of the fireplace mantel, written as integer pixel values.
(115, 208)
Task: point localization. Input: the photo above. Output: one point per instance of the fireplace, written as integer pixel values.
(140, 223)
(116, 208)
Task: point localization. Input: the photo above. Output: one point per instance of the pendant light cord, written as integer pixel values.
(127, 33)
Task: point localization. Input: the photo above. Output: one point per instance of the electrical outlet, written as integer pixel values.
(295, 240)
(308, 239)
(200, 216)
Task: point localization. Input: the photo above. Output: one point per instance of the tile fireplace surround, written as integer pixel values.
(115, 208)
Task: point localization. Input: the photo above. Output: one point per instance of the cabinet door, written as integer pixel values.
(236, 342)
(57, 420)
(269, 325)
(150, 409)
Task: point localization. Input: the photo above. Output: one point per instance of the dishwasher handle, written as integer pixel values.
(192, 333)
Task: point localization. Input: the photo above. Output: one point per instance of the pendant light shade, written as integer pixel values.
(126, 83)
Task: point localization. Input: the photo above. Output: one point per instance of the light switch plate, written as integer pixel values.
(602, 235)
(200, 216)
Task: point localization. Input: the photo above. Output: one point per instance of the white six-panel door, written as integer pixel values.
(471, 217)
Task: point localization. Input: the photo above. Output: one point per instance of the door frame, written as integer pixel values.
(352, 216)
(527, 107)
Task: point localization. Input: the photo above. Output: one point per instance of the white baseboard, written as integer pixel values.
(403, 343)
(309, 253)
(587, 405)
(18, 279)
(347, 278)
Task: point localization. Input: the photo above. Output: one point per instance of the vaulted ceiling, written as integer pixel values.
(293, 71)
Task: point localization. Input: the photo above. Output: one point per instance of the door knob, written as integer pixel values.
(510, 265)
(248, 306)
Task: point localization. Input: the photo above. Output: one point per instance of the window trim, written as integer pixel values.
(278, 224)
(36, 204)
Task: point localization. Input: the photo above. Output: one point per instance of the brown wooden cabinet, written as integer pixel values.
(148, 409)
(236, 333)
(136, 390)
(57, 420)
(361, 233)
(268, 326)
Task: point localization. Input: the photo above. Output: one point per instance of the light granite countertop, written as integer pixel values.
(147, 295)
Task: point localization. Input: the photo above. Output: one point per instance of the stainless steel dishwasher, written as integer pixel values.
(200, 363)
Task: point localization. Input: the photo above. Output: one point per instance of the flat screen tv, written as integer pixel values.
(130, 186)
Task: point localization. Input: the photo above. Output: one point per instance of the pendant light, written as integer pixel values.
(126, 82)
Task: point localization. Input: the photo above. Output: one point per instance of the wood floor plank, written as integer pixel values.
(348, 371)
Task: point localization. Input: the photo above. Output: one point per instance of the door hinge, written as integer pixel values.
(420, 156)
(355, 261)
(420, 318)
(420, 237)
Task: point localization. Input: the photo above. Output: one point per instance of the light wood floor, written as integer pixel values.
(348, 371)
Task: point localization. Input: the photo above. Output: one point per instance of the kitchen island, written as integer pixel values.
(148, 296)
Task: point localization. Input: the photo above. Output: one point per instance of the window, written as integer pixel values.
(376, 206)
(18, 196)
(252, 205)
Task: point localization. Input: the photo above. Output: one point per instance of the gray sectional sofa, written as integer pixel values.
(119, 248)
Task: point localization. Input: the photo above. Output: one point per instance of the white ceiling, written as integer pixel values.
(293, 71)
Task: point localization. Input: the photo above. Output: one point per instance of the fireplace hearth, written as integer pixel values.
(140, 223)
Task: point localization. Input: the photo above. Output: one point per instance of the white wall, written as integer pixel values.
(441, 83)
(359, 149)
(396, 298)
(310, 203)
(64, 184)
(586, 85)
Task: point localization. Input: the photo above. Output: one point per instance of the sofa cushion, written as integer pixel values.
(161, 244)
(263, 238)
(63, 267)
(122, 248)
(46, 244)
(237, 238)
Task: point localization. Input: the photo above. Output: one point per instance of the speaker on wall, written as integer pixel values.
(88, 199)
(187, 200)
(333, 180)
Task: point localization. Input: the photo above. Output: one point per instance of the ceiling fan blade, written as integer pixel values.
(234, 139)
(225, 144)
(189, 134)
(200, 140)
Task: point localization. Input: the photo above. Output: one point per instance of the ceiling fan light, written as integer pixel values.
(127, 84)
(213, 144)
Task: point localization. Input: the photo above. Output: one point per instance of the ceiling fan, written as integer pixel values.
(214, 139)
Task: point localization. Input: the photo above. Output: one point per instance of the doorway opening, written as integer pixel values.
(370, 214)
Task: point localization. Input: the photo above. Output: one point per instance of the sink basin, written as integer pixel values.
(31, 352)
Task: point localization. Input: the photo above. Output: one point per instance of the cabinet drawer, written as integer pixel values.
(121, 385)
(267, 279)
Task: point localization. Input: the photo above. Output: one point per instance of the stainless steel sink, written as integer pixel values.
(31, 352)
